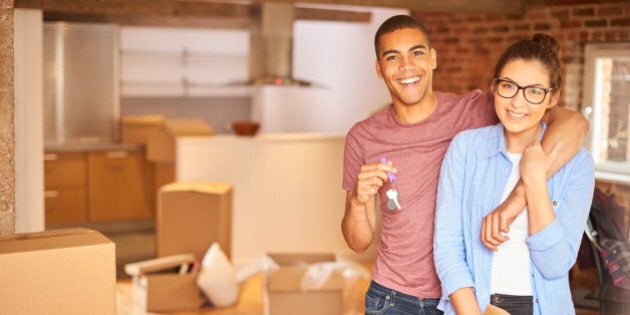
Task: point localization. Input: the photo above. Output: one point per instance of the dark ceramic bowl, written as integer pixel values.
(245, 127)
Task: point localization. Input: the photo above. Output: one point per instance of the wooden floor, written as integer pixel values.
(250, 301)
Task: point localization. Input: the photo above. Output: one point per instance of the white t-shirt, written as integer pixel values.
(511, 262)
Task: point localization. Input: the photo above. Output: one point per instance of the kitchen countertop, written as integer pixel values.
(82, 147)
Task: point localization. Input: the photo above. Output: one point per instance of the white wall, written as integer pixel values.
(29, 121)
(287, 194)
(339, 58)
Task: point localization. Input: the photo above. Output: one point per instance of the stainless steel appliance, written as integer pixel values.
(81, 83)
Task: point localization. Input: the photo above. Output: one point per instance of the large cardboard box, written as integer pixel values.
(165, 284)
(284, 293)
(193, 215)
(161, 143)
(67, 271)
(137, 128)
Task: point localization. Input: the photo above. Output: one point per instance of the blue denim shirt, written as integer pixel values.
(474, 174)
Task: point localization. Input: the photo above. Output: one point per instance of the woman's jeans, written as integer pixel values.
(381, 300)
(515, 305)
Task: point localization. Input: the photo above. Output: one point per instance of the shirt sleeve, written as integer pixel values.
(448, 243)
(554, 249)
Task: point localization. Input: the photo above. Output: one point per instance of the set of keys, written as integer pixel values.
(392, 194)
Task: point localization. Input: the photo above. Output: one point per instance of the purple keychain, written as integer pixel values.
(392, 193)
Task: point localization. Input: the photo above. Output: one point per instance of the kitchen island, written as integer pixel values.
(287, 189)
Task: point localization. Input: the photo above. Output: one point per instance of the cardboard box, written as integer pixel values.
(136, 129)
(67, 271)
(164, 284)
(283, 293)
(193, 215)
(161, 143)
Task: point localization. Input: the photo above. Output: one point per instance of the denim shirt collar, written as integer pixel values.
(497, 140)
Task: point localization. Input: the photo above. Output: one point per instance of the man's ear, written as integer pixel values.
(377, 65)
(433, 58)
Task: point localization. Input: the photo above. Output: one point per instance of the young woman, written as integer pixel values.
(528, 273)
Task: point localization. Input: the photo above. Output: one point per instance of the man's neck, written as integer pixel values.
(407, 114)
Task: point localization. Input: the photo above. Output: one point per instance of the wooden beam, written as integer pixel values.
(467, 6)
(175, 13)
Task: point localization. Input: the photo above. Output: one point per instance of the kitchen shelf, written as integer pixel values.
(138, 88)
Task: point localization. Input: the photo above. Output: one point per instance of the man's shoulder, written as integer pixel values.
(473, 97)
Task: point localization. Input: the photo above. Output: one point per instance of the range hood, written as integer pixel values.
(271, 46)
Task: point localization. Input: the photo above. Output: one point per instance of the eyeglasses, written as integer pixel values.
(533, 94)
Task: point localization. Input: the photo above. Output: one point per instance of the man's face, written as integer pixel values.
(405, 62)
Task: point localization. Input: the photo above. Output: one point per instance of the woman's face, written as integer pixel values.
(519, 115)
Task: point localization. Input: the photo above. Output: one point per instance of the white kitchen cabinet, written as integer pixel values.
(183, 62)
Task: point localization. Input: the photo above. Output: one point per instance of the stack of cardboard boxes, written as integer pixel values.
(66, 271)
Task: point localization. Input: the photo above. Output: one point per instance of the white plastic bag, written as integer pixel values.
(217, 278)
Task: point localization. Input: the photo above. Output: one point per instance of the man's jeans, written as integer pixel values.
(383, 301)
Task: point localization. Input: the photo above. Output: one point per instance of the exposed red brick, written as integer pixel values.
(560, 14)
(521, 27)
(570, 24)
(462, 50)
(624, 35)
(620, 22)
(542, 27)
(609, 11)
(495, 18)
(597, 36)
(596, 23)
(584, 12)
(461, 29)
(474, 18)
(610, 35)
(501, 29)
(451, 40)
(480, 30)
(442, 30)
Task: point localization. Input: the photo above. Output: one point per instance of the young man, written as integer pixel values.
(411, 136)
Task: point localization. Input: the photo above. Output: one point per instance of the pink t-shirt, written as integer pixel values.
(405, 252)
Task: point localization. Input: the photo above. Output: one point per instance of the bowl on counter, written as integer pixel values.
(245, 127)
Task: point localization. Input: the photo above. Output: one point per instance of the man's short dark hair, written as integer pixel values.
(398, 22)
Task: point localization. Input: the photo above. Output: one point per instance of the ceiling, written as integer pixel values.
(239, 14)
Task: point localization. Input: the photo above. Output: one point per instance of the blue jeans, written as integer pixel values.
(383, 301)
(515, 305)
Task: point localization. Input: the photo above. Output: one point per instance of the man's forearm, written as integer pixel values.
(564, 126)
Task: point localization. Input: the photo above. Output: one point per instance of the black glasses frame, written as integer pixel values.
(518, 88)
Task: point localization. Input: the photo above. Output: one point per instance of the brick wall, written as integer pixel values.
(468, 45)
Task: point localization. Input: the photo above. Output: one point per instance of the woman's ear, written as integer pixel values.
(553, 100)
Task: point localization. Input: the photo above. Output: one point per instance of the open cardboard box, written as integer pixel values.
(161, 142)
(284, 294)
(165, 284)
(66, 271)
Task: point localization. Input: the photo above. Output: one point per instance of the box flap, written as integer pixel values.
(188, 127)
(301, 258)
(158, 264)
(200, 187)
(52, 239)
(293, 268)
(289, 278)
(143, 120)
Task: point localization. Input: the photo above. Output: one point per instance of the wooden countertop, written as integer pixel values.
(88, 147)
